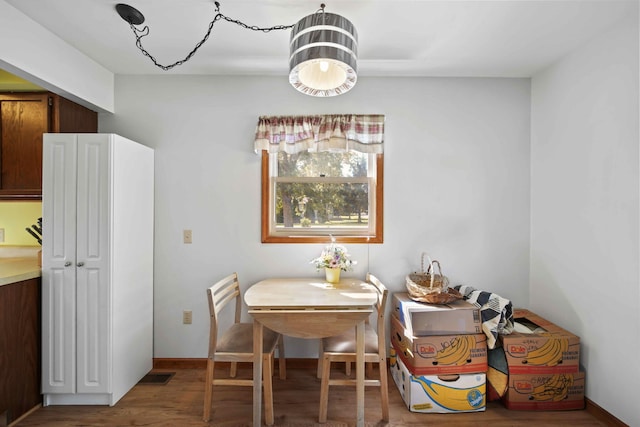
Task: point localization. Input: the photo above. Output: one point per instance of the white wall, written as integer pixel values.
(585, 210)
(456, 185)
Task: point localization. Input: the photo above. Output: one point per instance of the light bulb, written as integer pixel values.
(324, 66)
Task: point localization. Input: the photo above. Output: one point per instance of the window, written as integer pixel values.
(321, 176)
(307, 196)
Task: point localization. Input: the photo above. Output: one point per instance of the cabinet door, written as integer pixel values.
(93, 273)
(23, 120)
(59, 264)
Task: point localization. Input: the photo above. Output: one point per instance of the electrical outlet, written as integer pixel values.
(1, 235)
(187, 236)
(187, 317)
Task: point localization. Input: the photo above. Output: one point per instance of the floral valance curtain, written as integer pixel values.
(292, 134)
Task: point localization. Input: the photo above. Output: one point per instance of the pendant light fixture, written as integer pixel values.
(323, 59)
(323, 49)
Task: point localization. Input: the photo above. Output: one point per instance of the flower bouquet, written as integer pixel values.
(334, 258)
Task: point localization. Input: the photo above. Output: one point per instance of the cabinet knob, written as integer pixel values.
(67, 264)
(80, 264)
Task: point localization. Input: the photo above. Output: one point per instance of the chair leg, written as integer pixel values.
(320, 352)
(384, 389)
(369, 366)
(324, 388)
(267, 387)
(233, 370)
(282, 361)
(347, 368)
(208, 390)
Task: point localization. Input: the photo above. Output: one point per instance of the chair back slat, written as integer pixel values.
(226, 296)
(382, 293)
(381, 304)
(224, 291)
(219, 295)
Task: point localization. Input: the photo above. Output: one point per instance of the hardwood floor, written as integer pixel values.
(179, 403)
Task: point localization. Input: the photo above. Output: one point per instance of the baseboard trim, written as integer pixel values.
(602, 415)
(309, 363)
(175, 363)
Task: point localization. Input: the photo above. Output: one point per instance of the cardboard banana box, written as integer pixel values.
(439, 354)
(549, 349)
(420, 319)
(438, 394)
(545, 392)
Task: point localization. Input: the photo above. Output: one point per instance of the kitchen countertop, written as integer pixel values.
(18, 264)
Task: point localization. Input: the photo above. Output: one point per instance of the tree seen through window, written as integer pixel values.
(326, 189)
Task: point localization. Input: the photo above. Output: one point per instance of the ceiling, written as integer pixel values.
(508, 38)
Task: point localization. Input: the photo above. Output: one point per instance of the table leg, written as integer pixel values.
(360, 373)
(257, 373)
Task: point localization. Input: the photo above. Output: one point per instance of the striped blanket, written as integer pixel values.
(496, 312)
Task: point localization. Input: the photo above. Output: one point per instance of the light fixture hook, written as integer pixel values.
(130, 14)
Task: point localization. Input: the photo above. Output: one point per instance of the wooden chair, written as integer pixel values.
(342, 348)
(236, 345)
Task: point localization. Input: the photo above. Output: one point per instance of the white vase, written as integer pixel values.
(332, 275)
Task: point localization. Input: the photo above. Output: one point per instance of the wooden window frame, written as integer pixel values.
(377, 237)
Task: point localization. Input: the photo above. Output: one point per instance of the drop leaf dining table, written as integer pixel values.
(309, 308)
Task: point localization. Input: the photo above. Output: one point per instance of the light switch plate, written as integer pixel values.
(1, 235)
(187, 236)
(187, 317)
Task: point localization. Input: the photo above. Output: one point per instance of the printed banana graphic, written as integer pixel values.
(403, 344)
(454, 399)
(550, 354)
(458, 352)
(556, 388)
(566, 382)
(393, 357)
(544, 355)
(450, 354)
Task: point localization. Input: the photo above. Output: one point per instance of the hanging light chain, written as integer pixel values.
(139, 34)
(255, 27)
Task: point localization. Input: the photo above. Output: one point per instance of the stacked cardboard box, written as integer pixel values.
(543, 366)
(438, 356)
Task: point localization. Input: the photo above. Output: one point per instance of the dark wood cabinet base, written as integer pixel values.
(19, 349)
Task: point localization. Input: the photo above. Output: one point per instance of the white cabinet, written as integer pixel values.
(97, 267)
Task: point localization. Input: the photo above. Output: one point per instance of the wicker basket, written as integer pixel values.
(429, 286)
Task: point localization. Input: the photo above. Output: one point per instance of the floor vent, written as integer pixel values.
(156, 378)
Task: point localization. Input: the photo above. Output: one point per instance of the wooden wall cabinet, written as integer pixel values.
(24, 118)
